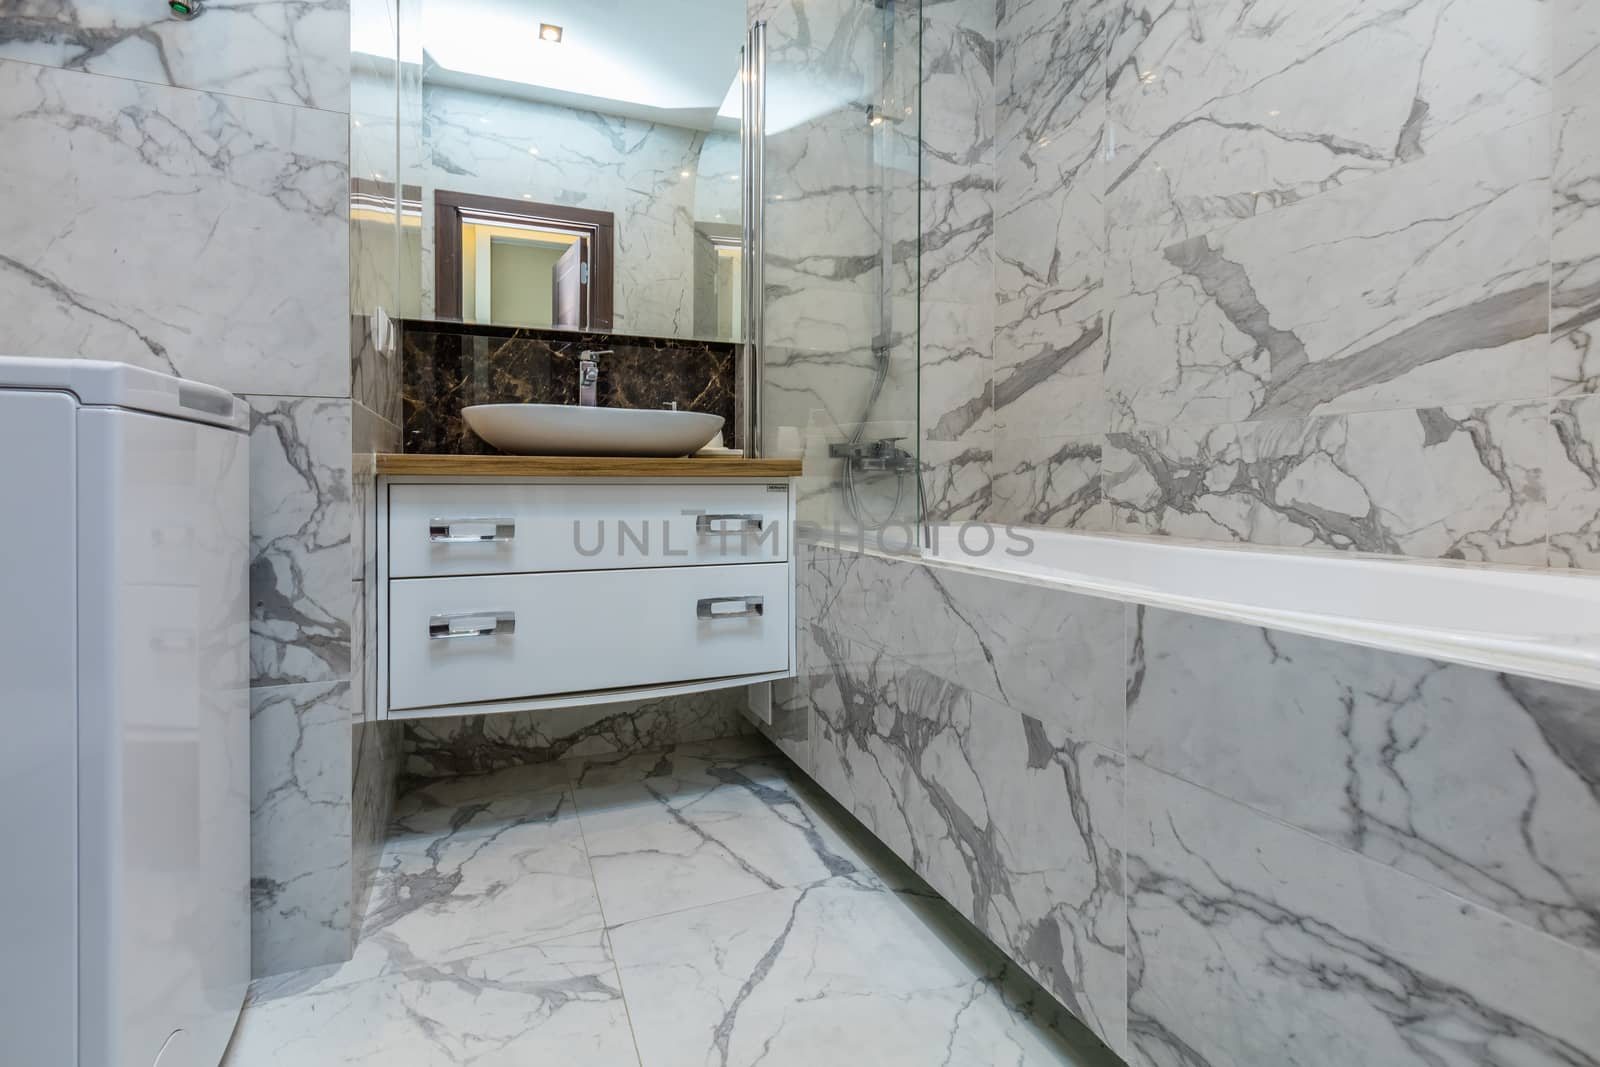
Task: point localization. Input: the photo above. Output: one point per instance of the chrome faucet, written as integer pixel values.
(589, 375)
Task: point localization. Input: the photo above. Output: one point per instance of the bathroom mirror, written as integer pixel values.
(577, 163)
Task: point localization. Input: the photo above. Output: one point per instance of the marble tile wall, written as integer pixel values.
(956, 242)
(177, 199)
(1283, 276)
(1214, 843)
(450, 366)
(480, 744)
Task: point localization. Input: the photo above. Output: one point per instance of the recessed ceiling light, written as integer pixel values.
(533, 151)
(550, 33)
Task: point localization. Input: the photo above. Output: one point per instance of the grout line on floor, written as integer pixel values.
(712, 904)
(605, 928)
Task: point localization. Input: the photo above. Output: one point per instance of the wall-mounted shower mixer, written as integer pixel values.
(883, 456)
(872, 463)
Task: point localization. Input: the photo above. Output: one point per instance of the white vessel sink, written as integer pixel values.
(566, 430)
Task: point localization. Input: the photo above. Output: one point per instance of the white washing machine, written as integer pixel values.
(125, 711)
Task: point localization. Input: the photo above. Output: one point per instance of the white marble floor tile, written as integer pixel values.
(477, 802)
(704, 825)
(483, 944)
(555, 1003)
(833, 973)
(512, 873)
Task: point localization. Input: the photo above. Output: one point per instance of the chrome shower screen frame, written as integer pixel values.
(752, 145)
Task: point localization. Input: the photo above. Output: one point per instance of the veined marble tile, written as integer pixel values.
(1575, 300)
(1052, 66)
(1450, 483)
(957, 149)
(1253, 944)
(301, 875)
(1479, 783)
(1577, 56)
(1050, 383)
(1046, 652)
(954, 370)
(957, 480)
(150, 224)
(704, 827)
(829, 973)
(374, 782)
(510, 875)
(1427, 285)
(301, 523)
(1050, 229)
(1572, 483)
(955, 402)
(1303, 98)
(472, 744)
(620, 768)
(286, 51)
(429, 807)
(558, 1002)
(1016, 826)
(1575, 295)
(1050, 481)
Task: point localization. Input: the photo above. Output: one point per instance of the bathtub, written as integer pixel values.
(1535, 622)
(1348, 800)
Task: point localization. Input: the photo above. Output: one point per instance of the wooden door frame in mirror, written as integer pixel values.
(451, 208)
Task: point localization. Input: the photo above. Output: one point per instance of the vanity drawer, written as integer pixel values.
(487, 638)
(503, 529)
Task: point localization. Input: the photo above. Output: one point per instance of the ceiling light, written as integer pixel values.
(533, 151)
(550, 33)
(683, 174)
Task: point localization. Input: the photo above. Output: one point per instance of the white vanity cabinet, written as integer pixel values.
(499, 594)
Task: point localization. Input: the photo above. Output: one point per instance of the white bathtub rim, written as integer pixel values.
(1543, 659)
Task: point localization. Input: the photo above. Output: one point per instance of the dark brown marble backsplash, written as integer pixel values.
(449, 366)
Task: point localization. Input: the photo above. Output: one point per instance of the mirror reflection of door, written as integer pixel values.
(718, 281)
(569, 293)
(517, 263)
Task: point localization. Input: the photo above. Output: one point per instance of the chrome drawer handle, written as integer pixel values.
(745, 524)
(754, 607)
(489, 624)
(443, 531)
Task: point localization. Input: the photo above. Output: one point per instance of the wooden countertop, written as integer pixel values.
(584, 466)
